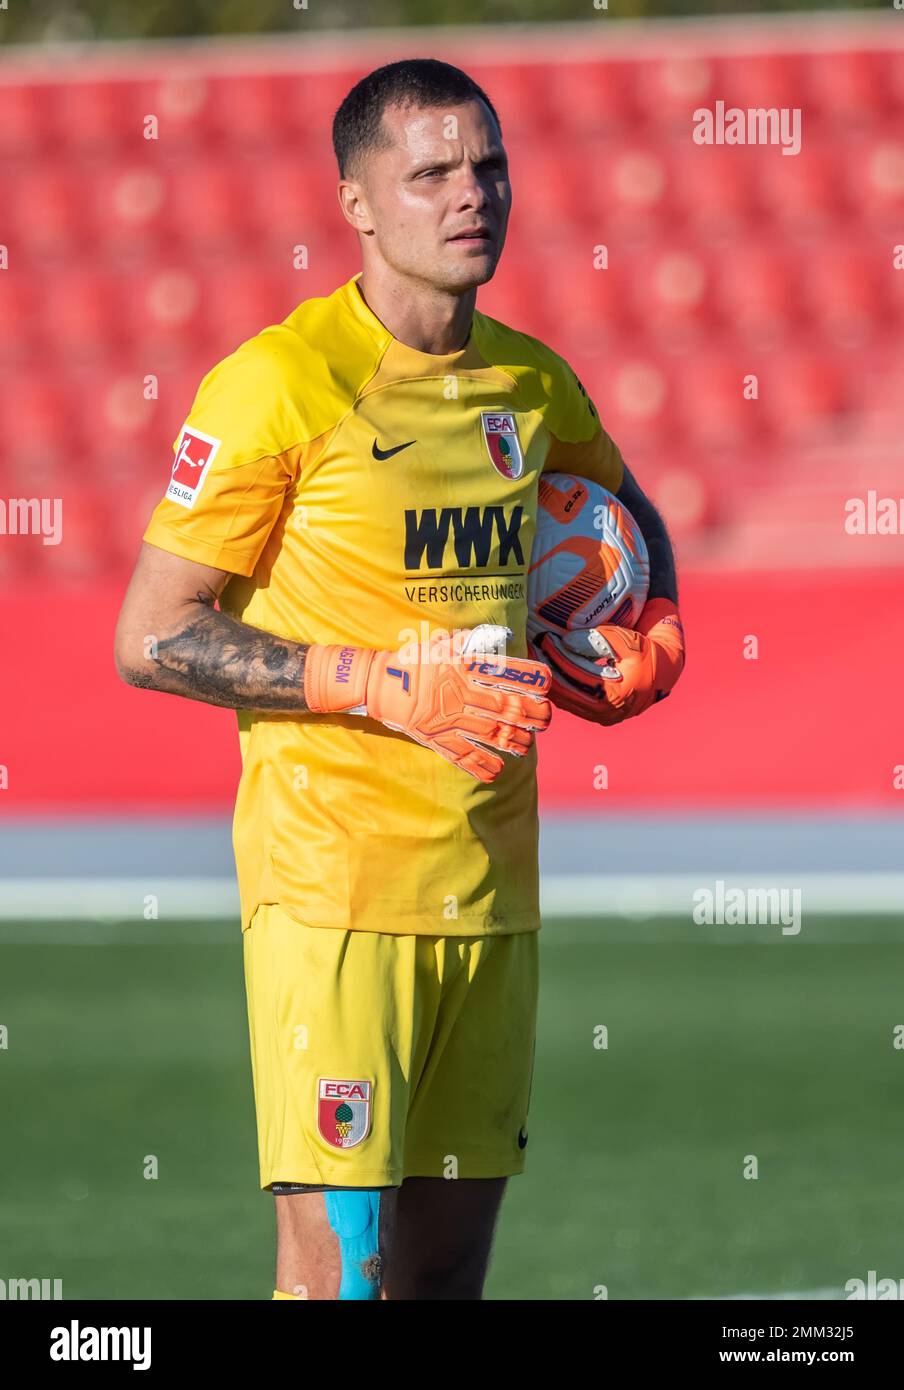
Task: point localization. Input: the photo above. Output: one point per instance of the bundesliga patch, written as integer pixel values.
(500, 431)
(195, 454)
(343, 1111)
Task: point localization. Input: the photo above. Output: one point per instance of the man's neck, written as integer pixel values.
(423, 318)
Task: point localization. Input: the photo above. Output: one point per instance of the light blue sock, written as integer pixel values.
(355, 1217)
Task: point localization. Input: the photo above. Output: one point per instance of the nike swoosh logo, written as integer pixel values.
(379, 453)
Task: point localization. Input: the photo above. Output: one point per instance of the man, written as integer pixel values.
(335, 489)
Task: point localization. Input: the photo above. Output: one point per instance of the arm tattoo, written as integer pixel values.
(222, 661)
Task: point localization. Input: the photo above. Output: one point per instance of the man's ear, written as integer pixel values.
(354, 207)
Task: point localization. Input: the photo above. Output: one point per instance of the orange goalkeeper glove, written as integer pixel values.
(452, 706)
(609, 674)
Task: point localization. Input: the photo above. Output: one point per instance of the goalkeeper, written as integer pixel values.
(343, 540)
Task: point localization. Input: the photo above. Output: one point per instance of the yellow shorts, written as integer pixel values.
(379, 1057)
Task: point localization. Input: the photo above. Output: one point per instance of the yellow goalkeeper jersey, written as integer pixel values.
(360, 491)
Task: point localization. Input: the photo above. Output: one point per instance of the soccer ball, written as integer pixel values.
(589, 563)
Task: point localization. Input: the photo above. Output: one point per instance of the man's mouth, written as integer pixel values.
(473, 234)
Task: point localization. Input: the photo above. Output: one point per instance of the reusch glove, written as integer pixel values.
(452, 706)
(608, 674)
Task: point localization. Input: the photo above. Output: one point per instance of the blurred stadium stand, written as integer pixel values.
(131, 258)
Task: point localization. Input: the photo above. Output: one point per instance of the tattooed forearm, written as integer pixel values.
(217, 659)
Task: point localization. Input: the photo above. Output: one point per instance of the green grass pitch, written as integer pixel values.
(722, 1043)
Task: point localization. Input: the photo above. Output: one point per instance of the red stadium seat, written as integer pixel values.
(311, 102)
(48, 212)
(133, 501)
(561, 183)
(881, 378)
(26, 128)
(629, 193)
(43, 453)
(258, 111)
(761, 80)
(44, 437)
(129, 200)
(207, 206)
(802, 192)
(846, 285)
(507, 299)
(889, 263)
(712, 188)
(518, 91)
(180, 101)
(129, 441)
(759, 291)
(290, 202)
(92, 119)
(636, 400)
(590, 100)
(670, 89)
(873, 172)
(848, 89)
(893, 82)
(87, 548)
(115, 415)
(673, 294)
(167, 311)
(254, 298)
(592, 306)
(805, 396)
(686, 488)
(22, 338)
(85, 316)
(715, 411)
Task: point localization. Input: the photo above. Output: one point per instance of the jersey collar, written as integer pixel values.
(468, 356)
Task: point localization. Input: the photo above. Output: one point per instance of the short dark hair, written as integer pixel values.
(357, 125)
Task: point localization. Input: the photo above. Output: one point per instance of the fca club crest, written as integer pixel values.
(501, 434)
(343, 1112)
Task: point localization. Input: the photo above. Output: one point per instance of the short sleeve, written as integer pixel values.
(578, 443)
(232, 466)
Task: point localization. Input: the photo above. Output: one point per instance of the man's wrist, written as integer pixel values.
(335, 678)
(655, 610)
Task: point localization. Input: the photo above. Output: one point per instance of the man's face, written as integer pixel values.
(437, 200)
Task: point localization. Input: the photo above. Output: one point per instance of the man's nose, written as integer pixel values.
(471, 188)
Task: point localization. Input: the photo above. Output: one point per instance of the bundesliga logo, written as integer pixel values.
(194, 456)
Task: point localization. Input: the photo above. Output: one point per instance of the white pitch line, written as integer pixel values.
(633, 896)
(655, 895)
(125, 899)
